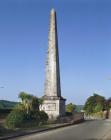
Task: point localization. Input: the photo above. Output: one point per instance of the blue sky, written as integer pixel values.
(84, 35)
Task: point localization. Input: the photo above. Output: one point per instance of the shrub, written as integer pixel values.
(34, 116)
(19, 118)
(43, 117)
(40, 117)
(15, 118)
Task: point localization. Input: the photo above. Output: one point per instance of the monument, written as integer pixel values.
(54, 103)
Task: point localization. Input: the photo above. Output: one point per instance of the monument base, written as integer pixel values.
(54, 106)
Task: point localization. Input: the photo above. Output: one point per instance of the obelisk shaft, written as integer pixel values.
(53, 103)
(52, 81)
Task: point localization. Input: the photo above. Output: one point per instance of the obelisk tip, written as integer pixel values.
(52, 10)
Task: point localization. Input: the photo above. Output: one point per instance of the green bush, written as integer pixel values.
(19, 118)
(39, 117)
(43, 117)
(34, 116)
(15, 118)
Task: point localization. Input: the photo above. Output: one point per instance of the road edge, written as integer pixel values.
(42, 130)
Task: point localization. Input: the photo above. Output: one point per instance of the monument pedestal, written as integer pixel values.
(54, 106)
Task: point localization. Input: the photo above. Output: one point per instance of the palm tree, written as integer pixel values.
(30, 102)
(35, 103)
(26, 100)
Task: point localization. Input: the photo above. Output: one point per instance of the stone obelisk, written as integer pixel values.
(54, 103)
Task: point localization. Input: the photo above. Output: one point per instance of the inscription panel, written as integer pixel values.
(50, 106)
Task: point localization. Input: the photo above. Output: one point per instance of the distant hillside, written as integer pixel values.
(7, 104)
(79, 108)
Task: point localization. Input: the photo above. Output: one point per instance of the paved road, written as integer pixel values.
(89, 130)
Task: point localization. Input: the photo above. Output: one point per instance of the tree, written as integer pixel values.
(26, 100)
(70, 107)
(109, 103)
(41, 101)
(29, 101)
(98, 108)
(90, 105)
(35, 103)
(94, 104)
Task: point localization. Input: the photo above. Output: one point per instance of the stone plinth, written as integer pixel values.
(54, 107)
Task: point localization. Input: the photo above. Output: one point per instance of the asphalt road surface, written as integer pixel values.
(88, 130)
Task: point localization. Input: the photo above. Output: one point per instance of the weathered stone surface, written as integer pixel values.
(52, 81)
(54, 104)
(54, 108)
